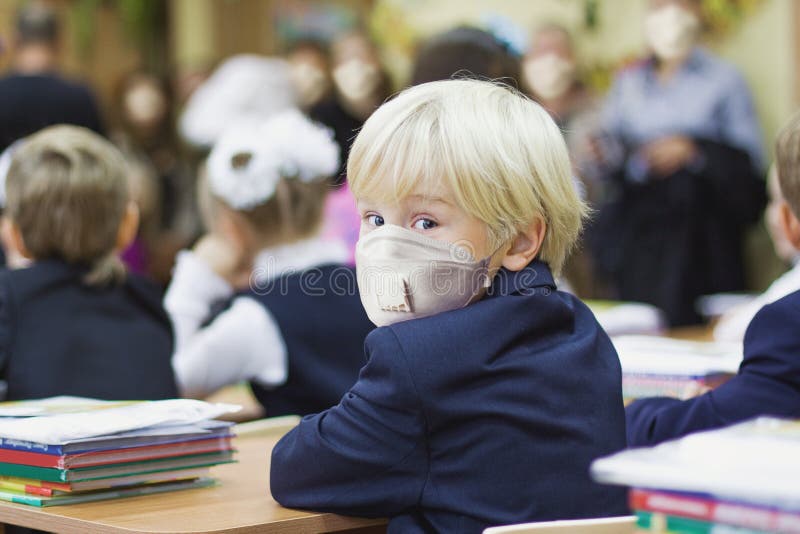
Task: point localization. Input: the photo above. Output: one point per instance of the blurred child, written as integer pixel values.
(733, 324)
(294, 326)
(768, 382)
(487, 392)
(73, 322)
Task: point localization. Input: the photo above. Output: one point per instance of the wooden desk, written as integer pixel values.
(240, 504)
(693, 333)
(242, 395)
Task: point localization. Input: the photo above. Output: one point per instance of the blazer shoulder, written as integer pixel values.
(148, 294)
(772, 341)
(778, 318)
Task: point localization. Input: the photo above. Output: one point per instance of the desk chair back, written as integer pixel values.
(605, 525)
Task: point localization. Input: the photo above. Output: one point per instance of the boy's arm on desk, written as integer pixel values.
(768, 383)
(747, 395)
(367, 455)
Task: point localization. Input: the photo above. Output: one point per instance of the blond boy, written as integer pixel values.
(487, 391)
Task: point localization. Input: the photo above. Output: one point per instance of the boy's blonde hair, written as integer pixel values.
(787, 152)
(500, 153)
(67, 192)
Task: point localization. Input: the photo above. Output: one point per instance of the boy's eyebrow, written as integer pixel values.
(428, 198)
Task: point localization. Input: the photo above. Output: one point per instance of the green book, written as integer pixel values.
(148, 489)
(670, 524)
(51, 474)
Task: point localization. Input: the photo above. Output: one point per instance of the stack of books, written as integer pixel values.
(68, 450)
(741, 479)
(661, 367)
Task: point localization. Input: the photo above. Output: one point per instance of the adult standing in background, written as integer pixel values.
(681, 149)
(360, 85)
(550, 77)
(33, 94)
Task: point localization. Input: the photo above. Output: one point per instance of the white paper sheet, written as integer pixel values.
(675, 357)
(755, 461)
(60, 429)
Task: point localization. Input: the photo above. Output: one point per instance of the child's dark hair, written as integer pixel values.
(67, 192)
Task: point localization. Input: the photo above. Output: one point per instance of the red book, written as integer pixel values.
(716, 511)
(115, 456)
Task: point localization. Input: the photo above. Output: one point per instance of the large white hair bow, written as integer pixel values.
(250, 158)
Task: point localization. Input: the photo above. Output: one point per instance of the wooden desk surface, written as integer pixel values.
(693, 333)
(240, 504)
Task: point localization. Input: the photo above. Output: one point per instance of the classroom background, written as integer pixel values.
(117, 46)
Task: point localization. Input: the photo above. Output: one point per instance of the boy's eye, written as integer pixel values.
(425, 224)
(375, 220)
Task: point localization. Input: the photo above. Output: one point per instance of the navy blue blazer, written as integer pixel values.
(486, 415)
(61, 337)
(768, 383)
(323, 325)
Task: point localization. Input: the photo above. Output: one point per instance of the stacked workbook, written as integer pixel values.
(661, 367)
(742, 479)
(68, 450)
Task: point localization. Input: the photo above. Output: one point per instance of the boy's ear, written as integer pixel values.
(525, 246)
(790, 225)
(12, 239)
(128, 227)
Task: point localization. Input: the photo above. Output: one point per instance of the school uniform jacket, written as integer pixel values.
(486, 415)
(323, 326)
(61, 337)
(768, 383)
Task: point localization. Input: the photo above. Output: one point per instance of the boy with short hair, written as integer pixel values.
(768, 381)
(74, 322)
(487, 392)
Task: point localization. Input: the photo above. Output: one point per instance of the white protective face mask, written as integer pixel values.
(144, 104)
(356, 79)
(671, 31)
(404, 275)
(549, 76)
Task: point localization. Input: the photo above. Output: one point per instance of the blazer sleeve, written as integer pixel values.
(768, 383)
(366, 456)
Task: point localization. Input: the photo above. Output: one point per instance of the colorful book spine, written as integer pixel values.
(22, 487)
(132, 439)
(32, 500)
(112, 471)
(19, 445)
(43, 484)
(716, 511)
(91, 459)
(669, 524)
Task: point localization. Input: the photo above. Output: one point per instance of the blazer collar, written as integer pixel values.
(535, 276)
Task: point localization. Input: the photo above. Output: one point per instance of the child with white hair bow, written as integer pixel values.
(292, 325)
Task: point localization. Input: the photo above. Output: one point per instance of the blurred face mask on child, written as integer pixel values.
(356, 79)
(671, 30)
(420, 257)
(549, 76)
